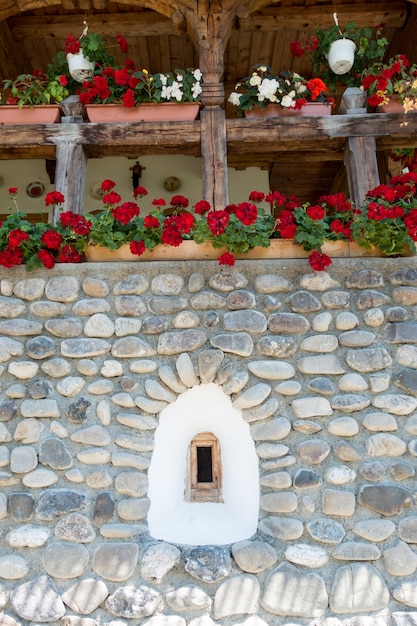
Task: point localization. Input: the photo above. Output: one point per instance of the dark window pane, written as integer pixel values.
(204, 465)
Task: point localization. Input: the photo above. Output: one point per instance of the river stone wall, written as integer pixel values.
(324, 368)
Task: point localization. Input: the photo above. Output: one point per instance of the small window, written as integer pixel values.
(204, 476)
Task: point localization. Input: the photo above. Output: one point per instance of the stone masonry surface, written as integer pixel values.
(323, 367)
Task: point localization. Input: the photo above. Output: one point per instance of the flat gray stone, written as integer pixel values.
(115, 561)
(65, 560)
(400, 560)
(158, 561)
(133, 602)
(385, 499)
(54, 502)
(38, 601)
(86, 595)
(406, 593)
(188, 597)
(326, 530)
(238, 595)
(281, 528)
(291, 593)
(254, 556)
(347, 595)
(236, 343)
(75, 527)
(208, 563)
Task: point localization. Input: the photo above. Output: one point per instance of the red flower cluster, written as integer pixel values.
(217, 222)
(79, 224)
(53, 198)
(125, 212)
(72, 45)
(16, 237)
(315, 212)
(117, 82)
(318, 261)
(51, 239)
(298, 49)
(247, 213)
(175, 226)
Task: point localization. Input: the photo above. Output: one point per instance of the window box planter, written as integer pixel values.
(146, 112)
(189, 250)
(38, 114)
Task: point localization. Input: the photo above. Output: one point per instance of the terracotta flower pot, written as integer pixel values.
(312, 109)
(272, 110)
(394, 105)
(146, 112)
(38, 114)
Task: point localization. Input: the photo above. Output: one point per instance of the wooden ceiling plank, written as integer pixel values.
(130, 24)
(366, 14)
(14, 61)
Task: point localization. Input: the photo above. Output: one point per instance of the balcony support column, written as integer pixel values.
(71, 161)
(360, 152)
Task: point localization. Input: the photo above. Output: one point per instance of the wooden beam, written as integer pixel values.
(140, 24)
(309, 17)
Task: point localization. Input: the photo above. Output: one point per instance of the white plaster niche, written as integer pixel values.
(202, 409)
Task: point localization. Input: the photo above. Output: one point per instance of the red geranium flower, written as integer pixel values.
(54, 197)
(202, 207)
(16, 237)
(247, 213)
(68, 254)
(226, 259)
(151, 222)
(318, 261)
(137, 247)
(315, 212)
(51, 239)
(46, 258)
(217, 222)
(107, 185)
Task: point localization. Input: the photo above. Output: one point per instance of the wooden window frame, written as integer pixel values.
(204, 491)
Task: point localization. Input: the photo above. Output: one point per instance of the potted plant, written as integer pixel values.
(36, 245)
(269, 94)
(24, 95)
(85, 51)
(368, 44)
(388, 219)
(132, 94)
(391, 86)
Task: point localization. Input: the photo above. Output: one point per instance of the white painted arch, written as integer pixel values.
(204, 407)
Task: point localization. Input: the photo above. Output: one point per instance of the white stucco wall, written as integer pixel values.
(204, 408)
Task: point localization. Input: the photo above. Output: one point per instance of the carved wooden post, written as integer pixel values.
(210, 30)
(71, 162)
(360, 152)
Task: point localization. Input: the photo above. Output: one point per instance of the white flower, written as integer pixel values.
(268, 89)
(234, 98)
(176, 91)
(196, 90)
(287, 102)
(179, 78)
(197, 74)
(301, 88)
(255, 80)
(166, 93)
(163, 79)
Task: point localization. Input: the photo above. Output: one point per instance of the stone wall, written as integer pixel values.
(323, 367)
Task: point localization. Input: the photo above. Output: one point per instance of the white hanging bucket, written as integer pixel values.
(341, 56)
(79, 66)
